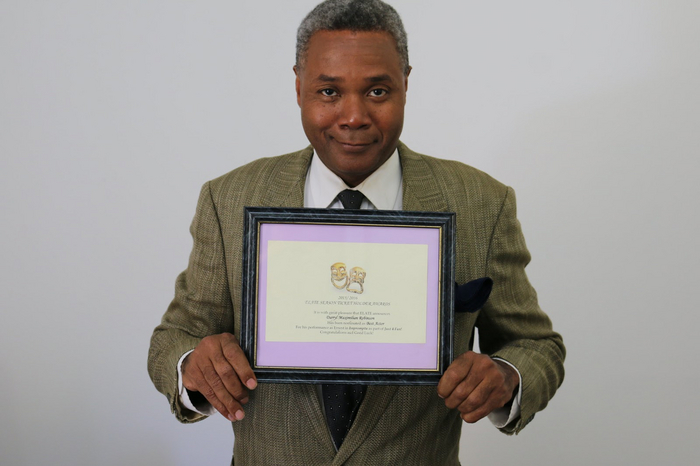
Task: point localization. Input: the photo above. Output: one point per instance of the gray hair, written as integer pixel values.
(353, 15)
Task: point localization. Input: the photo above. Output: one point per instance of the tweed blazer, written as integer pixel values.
(285, 423)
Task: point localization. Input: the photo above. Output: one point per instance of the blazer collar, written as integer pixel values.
(421, 189)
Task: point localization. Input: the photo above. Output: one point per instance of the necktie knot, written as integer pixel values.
(351, 199)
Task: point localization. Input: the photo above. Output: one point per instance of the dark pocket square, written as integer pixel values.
(472, 296)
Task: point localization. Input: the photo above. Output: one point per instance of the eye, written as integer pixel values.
(378, 92)
(328, 92)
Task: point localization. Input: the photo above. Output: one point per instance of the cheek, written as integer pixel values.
(398, 117)
(322, 119)
(390, 119)
(317, 117)
(314, 126)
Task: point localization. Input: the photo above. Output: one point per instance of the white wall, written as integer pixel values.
(112, 115)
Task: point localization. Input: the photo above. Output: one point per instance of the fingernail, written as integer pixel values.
(240, 414)
(251, 383)
(244, 400)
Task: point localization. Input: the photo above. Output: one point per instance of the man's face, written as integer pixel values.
(352, 91)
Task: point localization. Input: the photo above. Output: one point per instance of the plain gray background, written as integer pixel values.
(113, 114)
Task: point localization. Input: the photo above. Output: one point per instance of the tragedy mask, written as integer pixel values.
(357, 280)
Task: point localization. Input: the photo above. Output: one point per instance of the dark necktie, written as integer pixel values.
(351, 199)
(342, 401)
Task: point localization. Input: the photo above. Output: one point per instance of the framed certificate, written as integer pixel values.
(348, 296)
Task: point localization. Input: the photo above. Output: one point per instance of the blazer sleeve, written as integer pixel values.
(202, 305)
(512, 326)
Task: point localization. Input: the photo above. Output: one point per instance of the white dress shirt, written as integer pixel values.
(383, 190)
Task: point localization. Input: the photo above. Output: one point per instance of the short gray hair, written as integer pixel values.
(353, 15)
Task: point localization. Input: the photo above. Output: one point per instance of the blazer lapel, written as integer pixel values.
(287, 190)
(311, 407)
(374, 405)
(421, 189)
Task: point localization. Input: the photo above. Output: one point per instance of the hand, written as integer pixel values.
(218, 369)
(475, 384)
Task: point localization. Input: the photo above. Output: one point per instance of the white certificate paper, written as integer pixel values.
(346, 292)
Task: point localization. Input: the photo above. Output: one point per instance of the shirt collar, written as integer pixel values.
(381, 188)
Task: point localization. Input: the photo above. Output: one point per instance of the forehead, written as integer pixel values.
(333, 52)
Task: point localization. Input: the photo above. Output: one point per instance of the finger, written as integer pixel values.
(215, 389)
(454, 375)
(233, 352)
(199, 384)
(479, 403)
(463, 390)
(229, 377)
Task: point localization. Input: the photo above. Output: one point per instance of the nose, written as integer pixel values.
(354, 113)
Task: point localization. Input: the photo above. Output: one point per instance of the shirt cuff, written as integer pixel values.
(202, 407)
(501, 417)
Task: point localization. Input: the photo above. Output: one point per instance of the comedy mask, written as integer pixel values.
(339, 276)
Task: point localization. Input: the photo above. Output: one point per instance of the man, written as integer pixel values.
(351, 80)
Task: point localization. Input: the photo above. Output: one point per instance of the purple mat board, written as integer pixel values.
(405, 356)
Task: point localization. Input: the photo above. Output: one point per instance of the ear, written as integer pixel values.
(405, 82)
(297, 71)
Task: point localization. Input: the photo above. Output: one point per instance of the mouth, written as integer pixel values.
(352, 146)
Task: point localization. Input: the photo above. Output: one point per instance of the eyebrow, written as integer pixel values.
(379, 79)
(373, 79)
(328, 79)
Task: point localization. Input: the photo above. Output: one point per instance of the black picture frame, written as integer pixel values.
(383, 223)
